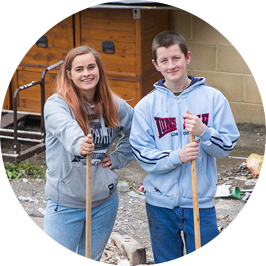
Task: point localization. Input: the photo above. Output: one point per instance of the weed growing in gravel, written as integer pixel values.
(23, 169)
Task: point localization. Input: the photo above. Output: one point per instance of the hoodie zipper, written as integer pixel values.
(180, 126)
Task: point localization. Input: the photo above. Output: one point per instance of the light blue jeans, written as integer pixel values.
(67, 226)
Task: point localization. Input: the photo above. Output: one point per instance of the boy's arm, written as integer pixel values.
(219, 140)
(144, 148)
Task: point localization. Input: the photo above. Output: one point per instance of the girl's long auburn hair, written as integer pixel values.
(103, 99)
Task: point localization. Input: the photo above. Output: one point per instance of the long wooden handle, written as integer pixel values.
(195, 199)
(88, 207)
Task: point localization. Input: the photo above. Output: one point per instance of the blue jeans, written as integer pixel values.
(166, 225)
(67, 226)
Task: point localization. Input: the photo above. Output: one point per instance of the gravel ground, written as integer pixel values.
(131, 218)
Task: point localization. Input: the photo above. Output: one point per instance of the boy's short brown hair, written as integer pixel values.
(166, 39)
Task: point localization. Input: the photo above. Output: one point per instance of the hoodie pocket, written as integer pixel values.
(104, 182)
(202, 181)
(74, 184)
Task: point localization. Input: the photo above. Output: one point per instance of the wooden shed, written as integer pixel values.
(121, 33)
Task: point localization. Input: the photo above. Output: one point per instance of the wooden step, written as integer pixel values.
(15, 158)
(8, 119)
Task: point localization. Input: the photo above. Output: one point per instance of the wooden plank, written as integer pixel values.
(15, 158)
(138, 29)
(30, 99)
(29, 105)
(30, 115)
(53, 42)
(108, 24)
(122, 78)
(129, 90)
(147, 63)
(70, 32)
(46, 57)
(126, 94)
(13, 86)
(8, 119)
(38, 69)
(8, 98)
(60, 41)
(110, 35)
(148, 82)
(123, 83)
(119, 59)
(156, 29)
(25, 77)
(122, 70)
(149, 22)
(147, 13)
(98, 25)
(120, 47)
(21, 134)
(77, 29)
(108, 13)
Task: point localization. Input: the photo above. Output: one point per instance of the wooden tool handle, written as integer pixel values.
(88, 207)
(195, 199)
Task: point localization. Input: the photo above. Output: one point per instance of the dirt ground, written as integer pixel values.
(131, 218)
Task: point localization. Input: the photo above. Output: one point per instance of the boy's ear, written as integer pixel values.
(154, 63)
(188, 59)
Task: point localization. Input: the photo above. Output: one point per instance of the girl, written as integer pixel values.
(84, 117)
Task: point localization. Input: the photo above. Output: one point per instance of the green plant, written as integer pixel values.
(23, 169)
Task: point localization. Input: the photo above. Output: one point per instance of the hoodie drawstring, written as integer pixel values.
(105, 134)
(166, 103)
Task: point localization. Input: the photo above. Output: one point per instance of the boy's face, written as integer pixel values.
(172, 63)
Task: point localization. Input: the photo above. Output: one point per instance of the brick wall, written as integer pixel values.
(214, 58)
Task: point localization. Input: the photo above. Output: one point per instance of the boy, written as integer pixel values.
(162, 121)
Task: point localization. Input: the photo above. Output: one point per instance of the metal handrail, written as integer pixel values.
(16, 144)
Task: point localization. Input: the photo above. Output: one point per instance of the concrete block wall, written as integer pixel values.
(214, 58)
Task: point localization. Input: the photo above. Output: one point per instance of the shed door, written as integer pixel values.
(60, 40)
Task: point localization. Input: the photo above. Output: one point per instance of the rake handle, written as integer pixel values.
(195, 199)
(88, 207)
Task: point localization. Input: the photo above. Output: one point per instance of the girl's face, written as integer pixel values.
(85, 74)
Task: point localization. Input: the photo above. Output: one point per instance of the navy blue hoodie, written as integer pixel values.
(157, 135)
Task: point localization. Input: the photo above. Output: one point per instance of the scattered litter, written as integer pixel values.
(249, 183)
(41, 210)
(110, 254)
(222, 191)
(236, 193)
(254, 163)
(124, 263)
(220, 229)
(25, 180)
(27, 199)
(242, 166)
(247, 196)
(135, 195)
(123, 186)
(141, 190)
(239, 178)
(234, 157)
